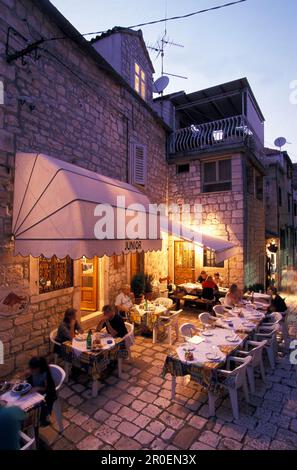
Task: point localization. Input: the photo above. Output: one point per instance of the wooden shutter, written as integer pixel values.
(139, 164)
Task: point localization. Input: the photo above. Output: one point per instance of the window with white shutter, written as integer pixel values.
(139, 164)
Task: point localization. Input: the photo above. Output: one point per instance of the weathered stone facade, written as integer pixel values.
(231, 215)
(68, 104)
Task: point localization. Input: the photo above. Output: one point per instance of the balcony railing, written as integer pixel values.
(234, 129)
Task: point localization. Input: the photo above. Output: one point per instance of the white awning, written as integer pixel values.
(223, 248)
(53, 211)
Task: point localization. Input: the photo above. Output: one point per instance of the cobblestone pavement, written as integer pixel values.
(136, 412)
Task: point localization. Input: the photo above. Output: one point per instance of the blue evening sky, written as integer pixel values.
(256, 39)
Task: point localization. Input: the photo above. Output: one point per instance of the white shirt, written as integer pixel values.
(123, 299)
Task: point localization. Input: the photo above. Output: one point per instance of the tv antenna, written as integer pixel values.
(160, 47)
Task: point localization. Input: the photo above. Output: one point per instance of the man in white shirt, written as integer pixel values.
(124, 301)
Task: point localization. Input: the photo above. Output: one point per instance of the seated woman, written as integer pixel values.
(233, 296)
(40, 377)
(68, 328)
(218, 279)
(113, 322)
(209, 288)
(277, 302)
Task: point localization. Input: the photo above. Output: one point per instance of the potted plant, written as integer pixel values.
(148, 279)
(138, 287)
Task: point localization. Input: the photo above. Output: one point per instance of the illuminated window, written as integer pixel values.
(209, 259)
(55, 274)
(139, 81)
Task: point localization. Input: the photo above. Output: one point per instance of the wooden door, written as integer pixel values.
(184, 262)
(137, 263)
(89, 284)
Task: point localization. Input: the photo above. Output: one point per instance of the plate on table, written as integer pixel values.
(213, 356)
(232, 338)
(21, 388)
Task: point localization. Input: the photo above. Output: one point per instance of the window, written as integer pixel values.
(209, 259)
(140, 81)
(280, 197)
(138, 164)
(217, 176)
(55, 274)
(185, 168)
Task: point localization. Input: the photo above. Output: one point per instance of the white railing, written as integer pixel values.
(215, 133)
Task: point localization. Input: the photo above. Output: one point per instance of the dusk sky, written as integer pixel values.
(256, 39)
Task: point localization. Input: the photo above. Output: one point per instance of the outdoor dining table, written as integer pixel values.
(191, 287)
(31, 404)
(149, 318)
(221, 340)
(94, 363)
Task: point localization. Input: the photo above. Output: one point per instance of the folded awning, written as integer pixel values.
(222, 248)
(55, 211)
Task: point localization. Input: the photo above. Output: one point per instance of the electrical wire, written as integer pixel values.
(162, 20)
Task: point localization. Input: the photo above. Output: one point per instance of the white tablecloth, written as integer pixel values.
(25, 402)
(208, 345)
(81, 346)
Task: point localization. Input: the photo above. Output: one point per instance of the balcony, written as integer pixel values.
(211, 135)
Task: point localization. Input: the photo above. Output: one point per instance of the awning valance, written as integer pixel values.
(55, 213)
(223, 248)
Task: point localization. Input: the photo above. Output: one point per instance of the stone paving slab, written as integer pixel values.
(137, 412)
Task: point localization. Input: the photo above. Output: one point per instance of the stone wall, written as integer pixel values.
(67, 106)
(222, 213)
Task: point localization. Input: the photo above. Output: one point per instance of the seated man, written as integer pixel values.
(113, 322)
(202, 277)
(124, 301)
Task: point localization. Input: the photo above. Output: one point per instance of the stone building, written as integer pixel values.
(214, 160)
(279, 214)
(88, 106)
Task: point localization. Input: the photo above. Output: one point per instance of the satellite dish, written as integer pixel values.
(280, 142)
(160, 84)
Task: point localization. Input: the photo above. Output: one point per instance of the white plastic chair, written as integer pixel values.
(53, 341)
(28, 443)
(58, 375)
(129, 338)
(206, 318)
(233, 380)
(187, 330)
(269, 333)
(255, 350)
(164, 302)
(219, 310)
(171, 324)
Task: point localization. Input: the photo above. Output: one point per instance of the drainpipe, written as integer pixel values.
(245, 214)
